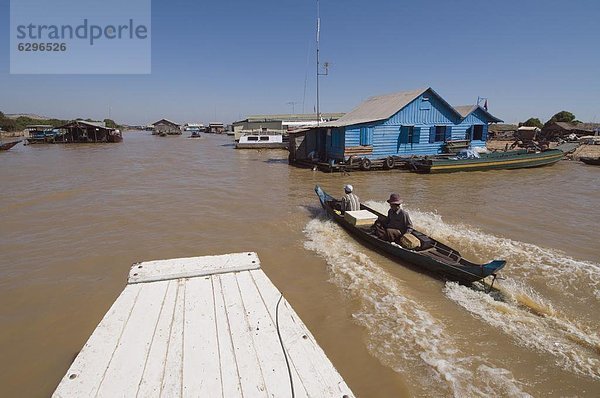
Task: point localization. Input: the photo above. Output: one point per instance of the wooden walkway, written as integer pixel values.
(201, 327)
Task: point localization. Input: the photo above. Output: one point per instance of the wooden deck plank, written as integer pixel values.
(319, 376)
(251, 378)
(201, 378)
(230, 378)
(265, 338)
(151, 271)
(126, 367)
(172, 382)
(86, 373)
(154, 368)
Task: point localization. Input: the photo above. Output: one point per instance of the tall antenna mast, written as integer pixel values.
(326, 64)
(318, 34)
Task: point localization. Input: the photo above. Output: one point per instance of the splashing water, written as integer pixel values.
(402, 334)
(535, 326)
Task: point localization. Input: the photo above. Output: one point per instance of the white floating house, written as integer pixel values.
(210, 326)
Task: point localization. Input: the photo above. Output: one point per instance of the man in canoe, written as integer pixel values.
(350, 201)
(396, 224)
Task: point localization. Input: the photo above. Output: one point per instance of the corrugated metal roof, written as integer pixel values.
(383, 107)
(165, 120)
(377, 108)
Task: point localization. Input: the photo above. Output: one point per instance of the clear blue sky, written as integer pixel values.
(223, 60)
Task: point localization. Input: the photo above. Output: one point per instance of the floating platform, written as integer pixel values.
(211, 326)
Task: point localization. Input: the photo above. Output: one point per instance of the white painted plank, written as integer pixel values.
(154, 368)
(126, 367)
(172, 379)
(250, 373)
(85, 374)
(230, 378)
(266, 341)
(151, 271)
(201, 376)
(319, 376)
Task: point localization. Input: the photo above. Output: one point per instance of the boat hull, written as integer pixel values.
(497, 161)
(591, 161)
(420, 260)
(8, 145)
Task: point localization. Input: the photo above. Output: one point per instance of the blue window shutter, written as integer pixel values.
(485, 132)
(431, 134)
(416, 135)
(363, 139)
(370, 136)
(448, 133)
(403, 134)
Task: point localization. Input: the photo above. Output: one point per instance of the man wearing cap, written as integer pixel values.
(397, 222)
(350, 201)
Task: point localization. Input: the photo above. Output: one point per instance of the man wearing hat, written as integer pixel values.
(350, 201)
(397, 222)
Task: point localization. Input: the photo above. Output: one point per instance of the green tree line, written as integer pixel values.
(562, 116)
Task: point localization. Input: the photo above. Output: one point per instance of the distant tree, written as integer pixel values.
(111, 124)
(7, 124)
(562, 116)
(532, 122)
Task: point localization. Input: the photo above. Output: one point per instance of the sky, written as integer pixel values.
(224, 60)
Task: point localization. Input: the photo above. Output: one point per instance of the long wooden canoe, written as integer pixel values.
(488, 161)
(8, 145)
(433, 257)
(590, 160)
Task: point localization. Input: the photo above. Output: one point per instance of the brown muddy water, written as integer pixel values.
(74, 218)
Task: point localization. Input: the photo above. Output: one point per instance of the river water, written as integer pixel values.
(75, 217)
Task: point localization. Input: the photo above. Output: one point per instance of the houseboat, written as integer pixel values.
(261, 141)
(386, 131)
(80, 131)
(41, 134)
(166, 127)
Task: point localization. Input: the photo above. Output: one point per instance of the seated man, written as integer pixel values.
(396, 224)
(350, 201)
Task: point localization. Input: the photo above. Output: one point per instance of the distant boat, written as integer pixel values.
(261, 141)
(590, 160)
(8, 145)
(195, 134)
(431, 256)
(487, 161)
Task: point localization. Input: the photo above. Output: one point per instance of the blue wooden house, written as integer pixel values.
(418, 122)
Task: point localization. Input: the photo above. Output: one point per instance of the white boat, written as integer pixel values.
(261, 141)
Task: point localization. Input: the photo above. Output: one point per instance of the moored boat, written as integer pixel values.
(590, 160)
(431, 256)
(6, 146)
(488, 161)
(261, 141)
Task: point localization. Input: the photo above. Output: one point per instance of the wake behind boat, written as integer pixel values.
(431, 256)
